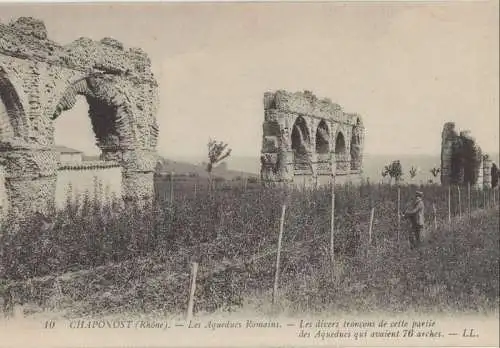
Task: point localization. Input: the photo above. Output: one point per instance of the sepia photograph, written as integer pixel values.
(264, 174)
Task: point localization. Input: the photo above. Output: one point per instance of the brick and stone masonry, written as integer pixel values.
(462, 160)
(307, 140)
(40, 79)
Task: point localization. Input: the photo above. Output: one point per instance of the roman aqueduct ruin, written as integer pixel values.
(462, 160)
(40, 79)
(308, 141)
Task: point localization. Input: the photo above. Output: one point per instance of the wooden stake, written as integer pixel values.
(469, 200)
(435, 215)
(372, 213)
(171, 187)
(399, 211)
(194, 271)
(59, 295)
(459, 202)
(449, 204)
(332, 225)
(278, 255)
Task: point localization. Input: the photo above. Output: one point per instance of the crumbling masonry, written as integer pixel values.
(40, 79)
(308, 140)
(462, 161)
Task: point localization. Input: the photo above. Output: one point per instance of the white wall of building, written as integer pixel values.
(82, 180)
(70, 157)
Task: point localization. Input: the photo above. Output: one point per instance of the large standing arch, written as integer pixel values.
(118, 86)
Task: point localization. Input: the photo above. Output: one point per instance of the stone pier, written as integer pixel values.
(462, 160)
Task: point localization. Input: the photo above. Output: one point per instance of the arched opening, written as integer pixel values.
(11, 110)
(12, 125)
(322, 138)
(77, 118)
(84, 168)
(109, 121)
(300, 143)
(323, 145)
(340, 151)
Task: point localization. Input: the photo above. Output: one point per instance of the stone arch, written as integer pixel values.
(300, 139)
(340, 150)
(322, 138)
(111, 118)
(14, 125)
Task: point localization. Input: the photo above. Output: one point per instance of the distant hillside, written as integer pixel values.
(194, 168)
(372, 166)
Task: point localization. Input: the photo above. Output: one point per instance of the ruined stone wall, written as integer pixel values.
(307, 136)
(462, 160)
(40, 79)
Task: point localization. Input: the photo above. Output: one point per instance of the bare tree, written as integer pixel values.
(413, 172)
(394, 170)
(435, 172)
(217, 152)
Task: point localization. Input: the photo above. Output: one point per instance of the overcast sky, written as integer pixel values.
(405, 69)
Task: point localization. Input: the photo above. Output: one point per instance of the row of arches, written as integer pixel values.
(301, 143)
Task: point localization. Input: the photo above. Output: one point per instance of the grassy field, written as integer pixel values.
(95, 261)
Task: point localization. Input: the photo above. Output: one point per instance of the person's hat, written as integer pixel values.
(419, 194)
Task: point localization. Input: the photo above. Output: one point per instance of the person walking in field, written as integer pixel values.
(415, 214)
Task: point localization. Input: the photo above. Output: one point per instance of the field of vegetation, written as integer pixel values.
(112, 259)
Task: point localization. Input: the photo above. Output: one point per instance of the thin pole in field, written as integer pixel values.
(171, 187)
(59, 295)
(332, 225)
(435, 215)
(399, 211)
(449, 204)
(278, 255)
(469, 200)
(372, 213)
(459, 202)
(194, 271)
